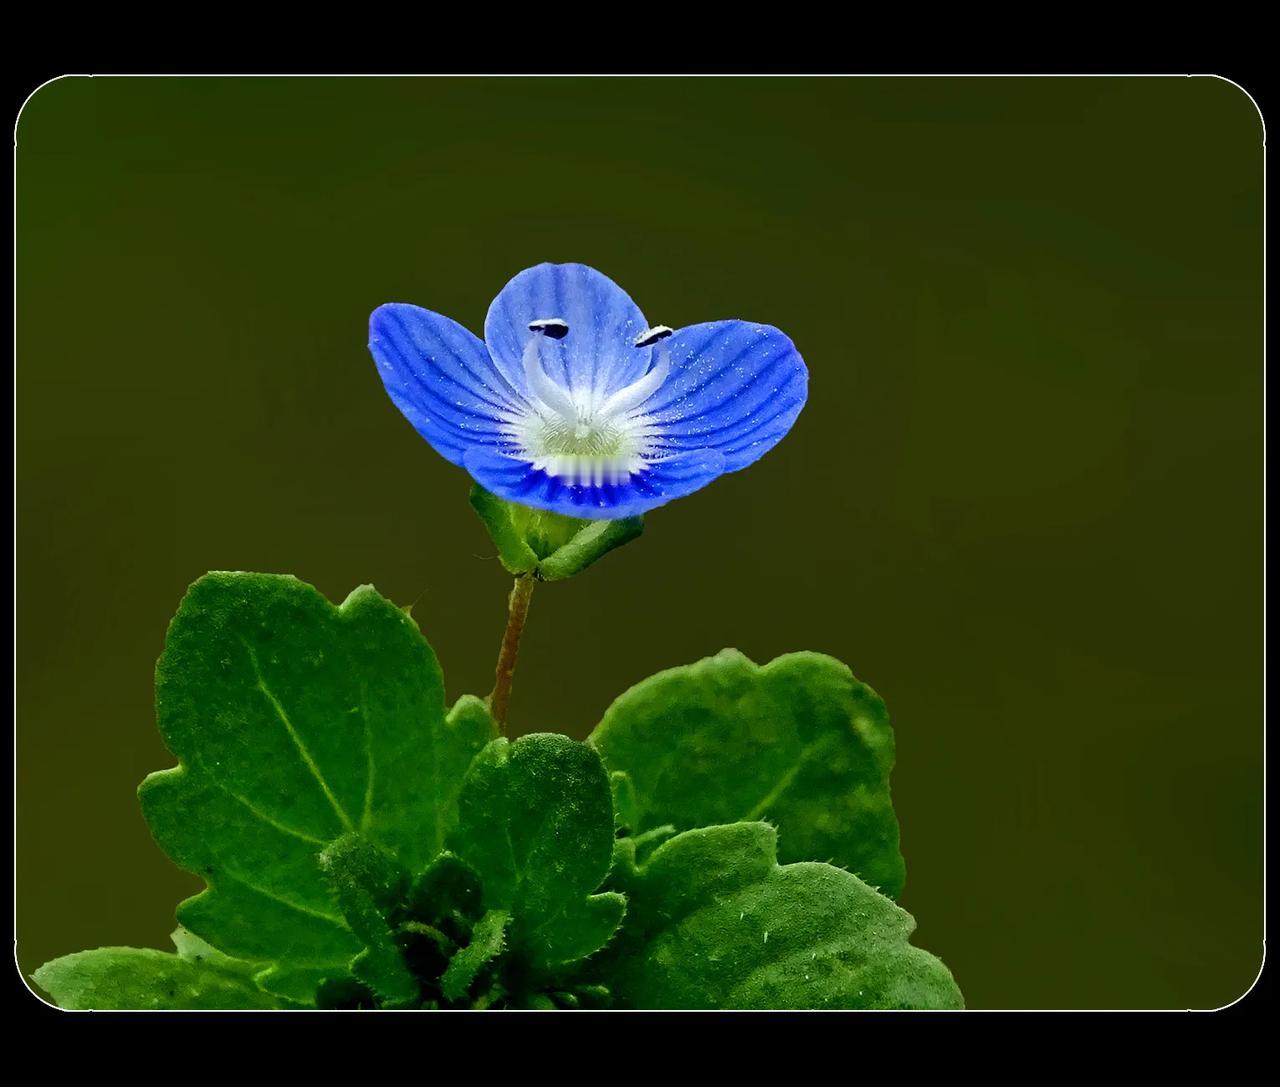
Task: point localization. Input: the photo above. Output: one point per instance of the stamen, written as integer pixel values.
(553, 327)
(577, 440)
(543, 387)
(638, 392)
(650, 336)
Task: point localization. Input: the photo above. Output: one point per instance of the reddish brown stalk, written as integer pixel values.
(518, 611)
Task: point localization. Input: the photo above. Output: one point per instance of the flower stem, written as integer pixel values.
(518, 611)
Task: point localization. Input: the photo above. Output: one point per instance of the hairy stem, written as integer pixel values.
(518, 611)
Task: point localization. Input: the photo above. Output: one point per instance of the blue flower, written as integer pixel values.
(574, 404)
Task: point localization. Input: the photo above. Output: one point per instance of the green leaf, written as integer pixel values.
(447, 890)
(345, 994)
(190, 946)
(370, 887)
(714, 922)
(799, 742)
(127, 978)
(296, 722)
(485, 946)
(549, 545)
(536, 823)
(441, 910)
(584, 996)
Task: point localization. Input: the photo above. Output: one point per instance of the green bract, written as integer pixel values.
(364, 847)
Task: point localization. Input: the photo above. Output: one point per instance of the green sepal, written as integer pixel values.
(550, 546)
(592, 541)
(370, 888)
(514, 552)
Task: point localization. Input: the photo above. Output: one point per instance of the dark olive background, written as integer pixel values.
(1023, 502)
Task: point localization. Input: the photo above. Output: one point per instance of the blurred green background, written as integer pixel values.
(1024, 501)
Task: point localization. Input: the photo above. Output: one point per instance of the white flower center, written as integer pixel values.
(578, 436)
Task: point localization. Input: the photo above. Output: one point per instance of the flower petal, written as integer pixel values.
(735, 387)
(441, 378)
(598, 355)
(517, 480)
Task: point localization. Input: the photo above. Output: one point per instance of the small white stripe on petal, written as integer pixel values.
(638, 392)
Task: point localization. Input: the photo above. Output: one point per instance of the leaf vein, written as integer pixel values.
(784, 782)
(368, 756)
(264, 817)
(297, 739)
(310, 911)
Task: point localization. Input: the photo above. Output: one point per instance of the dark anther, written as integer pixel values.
(650, 336)
(550, 326)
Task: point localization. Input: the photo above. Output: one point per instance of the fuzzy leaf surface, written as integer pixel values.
(798, 742)
(296, 722)
(128, 978)
(536, 823)
(369, 887)
(713, 921)
(485, 946)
